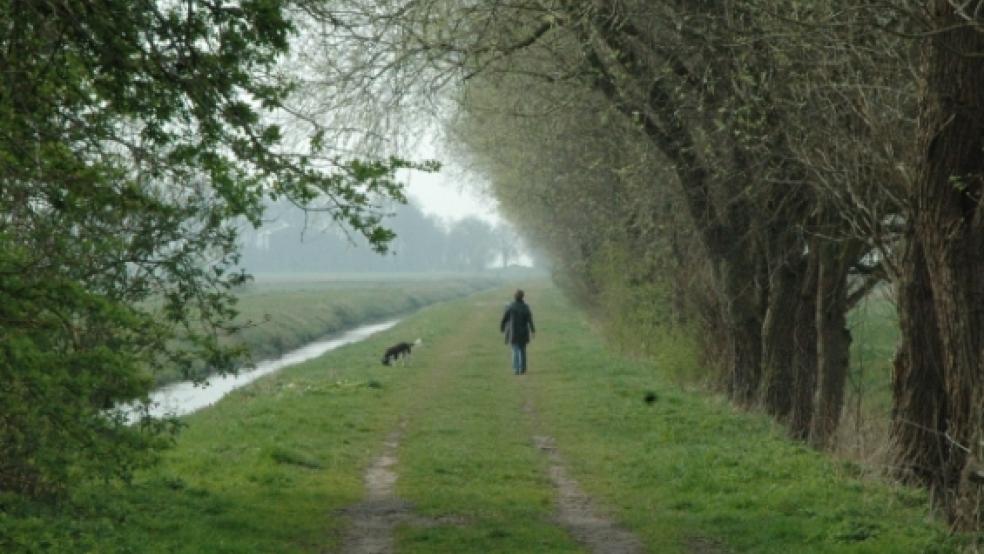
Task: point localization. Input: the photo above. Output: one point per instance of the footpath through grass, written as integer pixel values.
(272, 467)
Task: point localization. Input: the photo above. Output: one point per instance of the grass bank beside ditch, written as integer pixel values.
(272, 467)
(286, 312)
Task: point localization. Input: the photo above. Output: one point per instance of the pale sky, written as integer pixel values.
(454, 193)
(451, 194)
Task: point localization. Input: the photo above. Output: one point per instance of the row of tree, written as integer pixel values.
(757, 165)
(292, 241)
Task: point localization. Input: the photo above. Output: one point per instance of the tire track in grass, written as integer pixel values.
(466, 393)
(560, 384)
(575, 510)
(469, 456)
(373, 520)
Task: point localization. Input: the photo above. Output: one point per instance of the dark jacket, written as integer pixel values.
(517, 323)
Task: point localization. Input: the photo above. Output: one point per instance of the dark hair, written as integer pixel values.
(519, 295)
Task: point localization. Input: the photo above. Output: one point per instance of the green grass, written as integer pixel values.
(691, 467)
(284, 313)
(289, 316)
(265, 470)
(875, 334)
(468, 454)
(868, 400)
(270, 468)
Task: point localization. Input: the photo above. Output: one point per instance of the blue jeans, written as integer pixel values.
(519, 358)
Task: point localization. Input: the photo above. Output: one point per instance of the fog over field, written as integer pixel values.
(455, 236)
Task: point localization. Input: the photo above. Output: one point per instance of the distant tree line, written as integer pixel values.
(293, 241)
(751, 168)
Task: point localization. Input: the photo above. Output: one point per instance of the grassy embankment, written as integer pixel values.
(863, 436)
(270, 468)
(286, 312)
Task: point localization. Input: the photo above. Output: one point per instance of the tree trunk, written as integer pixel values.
(833, 340)
(949, 224)
(778, 338)
(744, 325)
(805, 359)
(919, 412)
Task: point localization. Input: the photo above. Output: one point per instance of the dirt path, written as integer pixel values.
(575, 510)
(447, 380)
(373, 520)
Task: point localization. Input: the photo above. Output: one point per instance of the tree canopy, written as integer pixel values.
(133, 134)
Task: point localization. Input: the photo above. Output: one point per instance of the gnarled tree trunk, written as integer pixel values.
(744, 324)
(919, 413)
(778, 338)
(949, 225)
(805, 359)
(833, 339)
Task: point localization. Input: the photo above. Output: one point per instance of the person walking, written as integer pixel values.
(517, 324)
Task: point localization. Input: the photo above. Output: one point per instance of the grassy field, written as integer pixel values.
(273, 467)
(867, 417)
(285, 312)
(289, 315)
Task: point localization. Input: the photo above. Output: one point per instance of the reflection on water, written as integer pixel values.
(186, 397)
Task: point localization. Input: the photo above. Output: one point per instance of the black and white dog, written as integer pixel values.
(399, 350)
